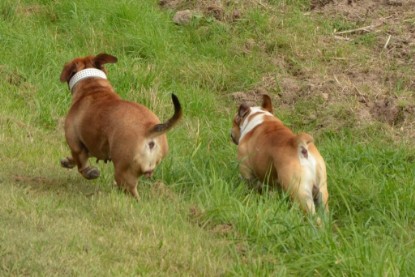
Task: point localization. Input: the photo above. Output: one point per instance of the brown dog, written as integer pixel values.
(270, 152)
(102, 125)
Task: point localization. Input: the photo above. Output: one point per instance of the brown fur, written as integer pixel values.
(100, 124)
(270, 153)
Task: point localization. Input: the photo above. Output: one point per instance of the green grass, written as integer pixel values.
(197, 217)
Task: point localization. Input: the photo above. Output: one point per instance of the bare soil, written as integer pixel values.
(383, 90)
(376, 89)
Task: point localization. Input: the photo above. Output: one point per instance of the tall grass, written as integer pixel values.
(197, 217)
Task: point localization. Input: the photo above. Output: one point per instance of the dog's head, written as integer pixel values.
(242, 117)
(78, 64)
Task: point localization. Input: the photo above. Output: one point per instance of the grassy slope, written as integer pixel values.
(198, 218)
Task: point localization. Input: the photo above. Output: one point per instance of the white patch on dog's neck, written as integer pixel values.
(250, 123)
(86, 73)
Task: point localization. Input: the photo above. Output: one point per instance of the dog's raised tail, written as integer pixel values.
(162, 128)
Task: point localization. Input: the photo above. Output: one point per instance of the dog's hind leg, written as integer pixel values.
(304, 197)
(88, 172)
(127, 180)
(255, 185)
(81, 160)
(320, 187)
(68, 162)
(300, 192)
(321, 195)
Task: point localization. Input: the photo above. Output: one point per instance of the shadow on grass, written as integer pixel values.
(59, 185)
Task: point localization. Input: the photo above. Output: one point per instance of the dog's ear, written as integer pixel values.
(243, 110)
(267, 103)
(68, 71)
(104, 58)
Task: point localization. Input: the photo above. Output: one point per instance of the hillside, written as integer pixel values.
(354, 66)
(342, 71)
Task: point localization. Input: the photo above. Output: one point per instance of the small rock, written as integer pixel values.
(171, 4)
(236, 15)
(216, 11)
(183, 17)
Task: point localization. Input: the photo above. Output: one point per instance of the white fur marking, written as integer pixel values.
(308, 164)
(149, 156)
(249, 125)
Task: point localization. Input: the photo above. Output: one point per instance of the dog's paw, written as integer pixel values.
(90, 173)
(67, 163)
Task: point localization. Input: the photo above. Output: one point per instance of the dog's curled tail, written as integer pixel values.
(162, 128)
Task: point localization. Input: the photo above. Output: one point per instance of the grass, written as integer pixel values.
(196, 217)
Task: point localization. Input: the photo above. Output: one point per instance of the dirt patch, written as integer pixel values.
(387, 110)
(29, 10)
(195, 215)
(290, 90)
(374, 84)
(225, 11)
(360, 10)
(267, 85)
(159, 189)
(380, 90)
(390, 21)
(209, 8)
(171, 4)
(222, 229)
(198, 217)
(251, 98)
(12, 77)
(375, 13)
(33, 181)
(183, 17)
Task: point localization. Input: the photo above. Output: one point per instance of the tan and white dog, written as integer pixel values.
(271, 153)
(100, 124)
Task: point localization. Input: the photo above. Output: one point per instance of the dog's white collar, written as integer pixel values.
(86, 73)
(256, 120)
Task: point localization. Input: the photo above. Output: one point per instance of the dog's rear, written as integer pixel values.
(312, 186)
(147, 154)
